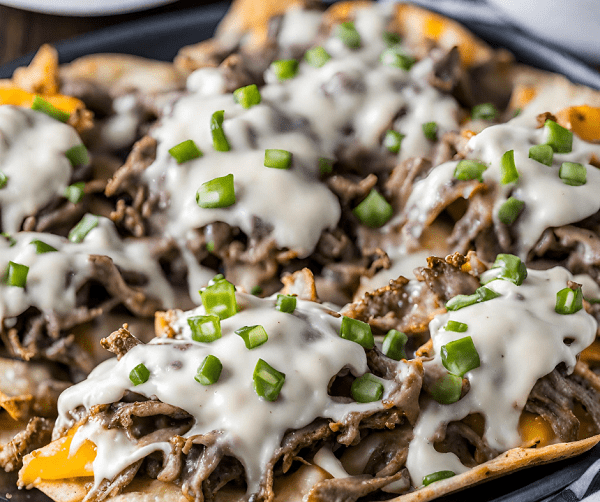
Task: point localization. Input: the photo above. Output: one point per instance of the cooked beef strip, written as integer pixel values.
(36, 434)
(120, 342)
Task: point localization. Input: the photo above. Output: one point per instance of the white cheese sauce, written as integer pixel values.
(549, 202)
(308, 115)
(54, 278)
(32, 156)
(304, 345)
(519, 338)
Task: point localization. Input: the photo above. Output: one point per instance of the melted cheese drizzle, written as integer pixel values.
(548, 201)
(306, 115)
(520, 339)
(304, 345)
(54, 278)
(32, 156)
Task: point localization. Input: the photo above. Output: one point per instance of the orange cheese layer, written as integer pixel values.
(19, 97)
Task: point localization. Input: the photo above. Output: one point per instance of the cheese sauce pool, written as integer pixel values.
(520, 338)
(304, 345)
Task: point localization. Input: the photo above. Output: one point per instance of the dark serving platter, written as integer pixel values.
(161, 36)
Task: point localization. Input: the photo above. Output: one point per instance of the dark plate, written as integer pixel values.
(160, 37)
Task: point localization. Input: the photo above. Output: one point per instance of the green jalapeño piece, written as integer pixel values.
(267, 380)
(447, 389)
(216, 193)
(253, 336)
(367, 389)
(357, 331)
(84, 227)
(325, 166)
(573, 173)
(285, 303)
(482, 294)
(458, 327)
(218, 298)
(395, 56)
(284, 69)
(220, 143)
(507, 267)
(569, 301)
(9, 238)
(559, 138)
(508, 170)
(278, 159)
(205, 328)
(437, 476)
(485, 111)
(510, 210)
(317, 56)
(41, 247)
(393, 140)
(374, 211)
(347, 33)
(209, 371)
(469, 170)
(544, 154)
(75, 192)
(460, 356)
(139, 375)
(16, 274)
(185, 151)
(390, 38)
(41, 105)
(430, 131)
(78, 155)
(393, 344)
(247, 96)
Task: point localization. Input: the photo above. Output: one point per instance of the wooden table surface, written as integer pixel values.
(22, 32)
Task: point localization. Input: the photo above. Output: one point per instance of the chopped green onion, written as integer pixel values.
(256, 290)
(508, 170)
(220, 143)
(247, 96)
(470, 170)
(139, 375)
(510, 210)
(78, 155)
(459, 327)
(447, 389)
(285, 303)
(317, 56)
(253, 336)
(544, 154)
(41, 247)
(325, 166)
(395, 56)
(367, 389)
(218, 298)
(460, 356)
(209, 371)
(573, 173)
(184, 151)
(347, 33)
(3, 179)
(485, 111)
(357, 331)
(482, 294)
(507, 267)
(569, 301)
(390, 38)
(41, 105)
(210, 246)
(278, 159)
(437, 476)
(205, 328)
(393, 140)
(430, 130)
(374, 211)
(11, 240)
(216, 193)
(75, 192)
(84, 227)
(16, 274)
(393, 344)
(267, 380)
(559, 138)
(284, 69)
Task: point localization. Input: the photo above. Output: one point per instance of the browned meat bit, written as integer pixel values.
(37, 434)
(300, 284)
(446, 279)
(120, 342)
